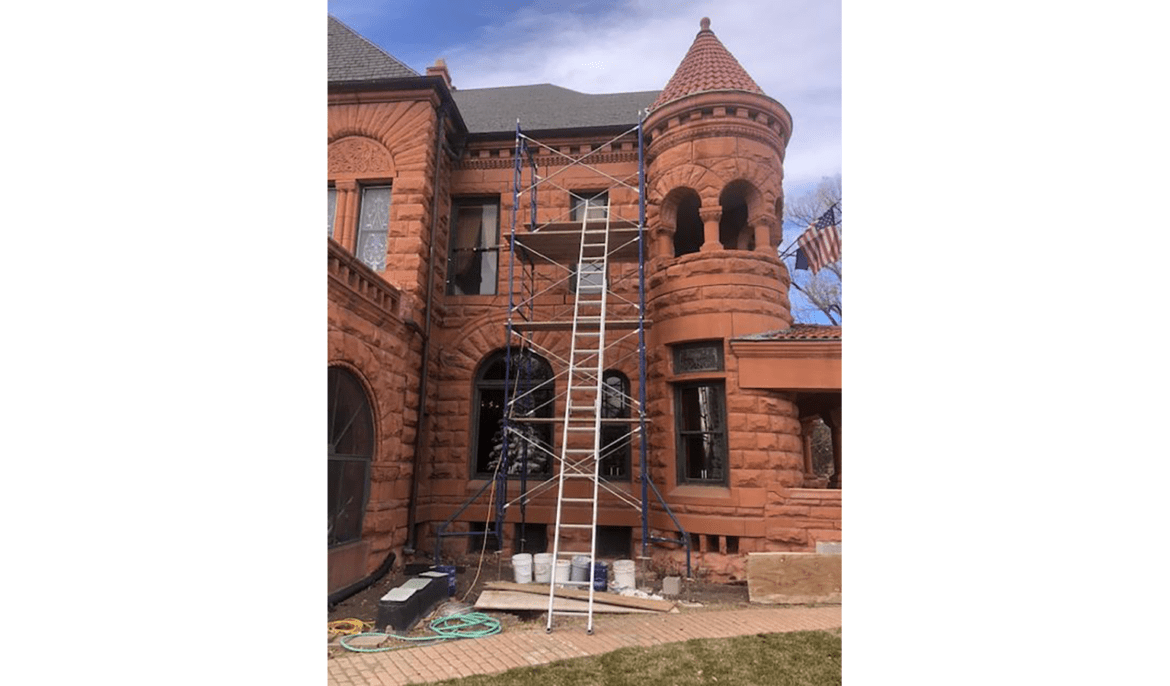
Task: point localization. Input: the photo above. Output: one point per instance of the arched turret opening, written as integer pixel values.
(734, 232)
(688, 232)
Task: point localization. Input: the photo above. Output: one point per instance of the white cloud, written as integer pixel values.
(791, 49)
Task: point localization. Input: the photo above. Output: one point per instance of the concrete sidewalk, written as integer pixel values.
(532, 646)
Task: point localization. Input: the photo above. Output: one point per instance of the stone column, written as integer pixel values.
(762, 225)
(346, 220)
(806, 432)
(833, 419)
(663, 241)
(710, 217)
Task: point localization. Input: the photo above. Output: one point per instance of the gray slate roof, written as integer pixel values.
(353, 58)
(545, 106)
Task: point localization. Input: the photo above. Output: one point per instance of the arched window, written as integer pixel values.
(533, 389)
(615, 437)
(734, 232)
(351, 448)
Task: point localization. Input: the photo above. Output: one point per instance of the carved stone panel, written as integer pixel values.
(357, 156)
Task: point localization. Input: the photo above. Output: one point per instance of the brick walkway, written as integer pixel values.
(532, 646)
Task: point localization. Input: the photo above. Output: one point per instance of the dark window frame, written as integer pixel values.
(720, 445)
(341, 460)
(477, 252)
(616, 431)
(545, 399)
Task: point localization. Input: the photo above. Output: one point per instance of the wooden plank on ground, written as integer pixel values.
(515, 600)
(794, 578)
(578, 594)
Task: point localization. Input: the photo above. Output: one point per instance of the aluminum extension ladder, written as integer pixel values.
(582, 422)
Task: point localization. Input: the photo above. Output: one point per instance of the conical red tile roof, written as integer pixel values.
(708, 66)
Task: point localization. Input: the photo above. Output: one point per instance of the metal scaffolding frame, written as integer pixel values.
(601, 311)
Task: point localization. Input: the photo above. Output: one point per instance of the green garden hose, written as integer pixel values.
(462, 625)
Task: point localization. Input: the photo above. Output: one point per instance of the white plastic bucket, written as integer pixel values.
(623, 574)
(542, 568)
(580, 570)
(562, 571)
(522, 567)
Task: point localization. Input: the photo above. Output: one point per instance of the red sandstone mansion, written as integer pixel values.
(457, 274)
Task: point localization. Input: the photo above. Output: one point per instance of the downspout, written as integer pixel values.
(412, 505)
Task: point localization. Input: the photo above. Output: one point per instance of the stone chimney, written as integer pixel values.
(439, 68)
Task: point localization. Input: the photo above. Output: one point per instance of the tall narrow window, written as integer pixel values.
(351, 447)
(701, 437)
(533, 389)
(373, 225)
(332, 209)
(615, 436)
(474, 248)
(588, 277)
(591, 204)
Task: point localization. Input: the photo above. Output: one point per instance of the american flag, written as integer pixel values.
(821, 242)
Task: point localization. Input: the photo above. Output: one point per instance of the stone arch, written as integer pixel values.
(704, 181)
(360, 156)
(682, 225)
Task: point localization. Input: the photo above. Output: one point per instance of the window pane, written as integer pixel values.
(474, 251)
(702, 439)
(598, 204)
(373, 224)
(347, 490)
(698, 357)
(701, 408)
(332, 209)
(587, 277)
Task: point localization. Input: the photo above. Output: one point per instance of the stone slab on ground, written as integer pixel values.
(794, 578)
(671, 585)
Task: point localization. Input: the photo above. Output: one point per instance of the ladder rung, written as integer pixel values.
(575, 526)
(590, 429)
(576, 475)
(576, 500)
(576, 583)
(571, 613)
(579, 451)
(586, 553)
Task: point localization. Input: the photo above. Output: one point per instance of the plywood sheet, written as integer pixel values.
(517, 600)
(793, 578)
(578, 594)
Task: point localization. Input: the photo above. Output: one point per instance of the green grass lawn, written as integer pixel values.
(804, 658)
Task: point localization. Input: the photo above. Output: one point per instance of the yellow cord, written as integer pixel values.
(343, 627)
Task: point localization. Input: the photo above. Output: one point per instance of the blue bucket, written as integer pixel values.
(449, 570)
(600, 576)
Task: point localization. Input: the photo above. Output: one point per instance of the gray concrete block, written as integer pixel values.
(671, 585)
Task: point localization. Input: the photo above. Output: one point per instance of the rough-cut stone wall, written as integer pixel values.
(367, 336)
(405, 128)
(799, 518)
